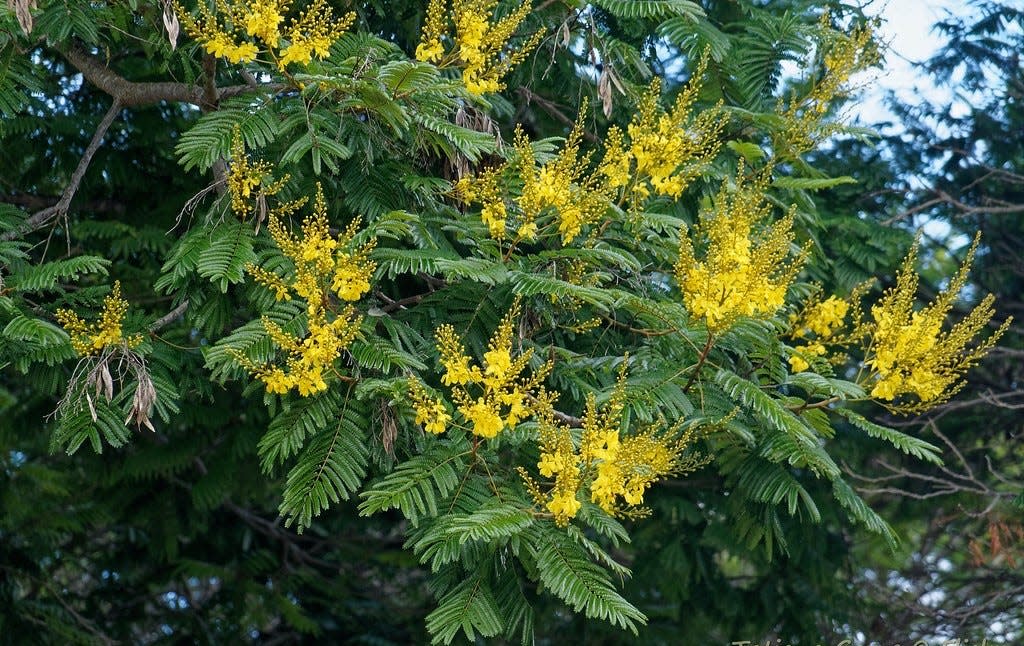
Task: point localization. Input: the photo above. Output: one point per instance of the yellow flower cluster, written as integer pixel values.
(909, 352)
(431, 412)
(505, 396)
(91, 338)
(558, 188)
(744, 272)
(618, 469)
(822, 319)
(845, 54)
(480, 41)
(666, 150)
(239, 27)
(325, 269)
(244, 177)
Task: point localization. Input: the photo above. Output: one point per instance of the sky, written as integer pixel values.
(907, 29)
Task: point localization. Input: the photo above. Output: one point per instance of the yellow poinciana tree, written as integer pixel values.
(514, 328)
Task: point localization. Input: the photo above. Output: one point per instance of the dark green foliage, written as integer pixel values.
(247, 516)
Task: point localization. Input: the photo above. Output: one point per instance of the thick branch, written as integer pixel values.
(40, 218)
(126, 94)
(132, 94)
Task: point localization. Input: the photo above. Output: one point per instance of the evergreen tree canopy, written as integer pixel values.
(433, 321)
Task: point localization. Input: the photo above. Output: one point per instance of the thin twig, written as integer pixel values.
(700, 362)
(60, 209)
(169, 317)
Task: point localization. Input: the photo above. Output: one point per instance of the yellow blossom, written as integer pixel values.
(909, 352)
(244, 177)
(825, 317)
(263, 19)
(497, 395)
(617, 468)
(430, 412)
(744, 272)
(559, 189)
(453, 358)
(820, 325)
(803, 126)
(430, 49)
(91, 338)
(227, 33)
(550, 464)
(798, 363)
(564, 505)
(479, 44)
(323, 265)
(221, 45)
(666, 150)
(493, 215)
(486, 422)
(498, 361)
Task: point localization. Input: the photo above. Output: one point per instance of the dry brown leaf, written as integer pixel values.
(102, 381)
(604, 92)
(92, 408)
(171, 24)
(615, 81)
(23, 12)
(389, 430)
(142, 401)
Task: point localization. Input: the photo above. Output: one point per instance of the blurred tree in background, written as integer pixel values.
(230, 411)
(955, 168)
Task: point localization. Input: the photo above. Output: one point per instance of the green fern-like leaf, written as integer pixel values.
(380, 354)
(329, 469)
(532, 284)
(907, 443)
(229, 251)
(74, 428)
(565, 569)
(796, 443)
(416, 486)
(470, 607)
(695, 35)
(848, 498)
(490, 522)
(289, 429)
(770, 483)
(651, 8)
(811, 183)
(817, 386)
(33, 330)
(48, 275)
(209, 139)
(252, 341)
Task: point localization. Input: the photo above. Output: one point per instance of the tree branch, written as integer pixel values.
(169, 317)
(133, 94)
(130, 93)
(41, 218)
